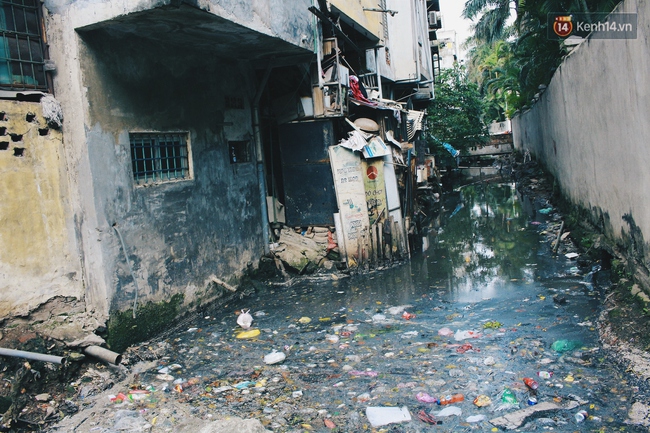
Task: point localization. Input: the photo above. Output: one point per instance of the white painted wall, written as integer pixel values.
(591, 129)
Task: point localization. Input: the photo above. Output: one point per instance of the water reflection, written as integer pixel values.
(482, 244)
(485, 264)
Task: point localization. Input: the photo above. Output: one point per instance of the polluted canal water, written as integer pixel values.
(485, 330)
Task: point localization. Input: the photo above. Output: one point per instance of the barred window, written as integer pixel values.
(159, 157)
(22, 54)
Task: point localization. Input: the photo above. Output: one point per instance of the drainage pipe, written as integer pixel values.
(104, 354)
(31, 355)
(259, 150)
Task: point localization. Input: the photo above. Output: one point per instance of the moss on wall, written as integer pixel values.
(151, 319)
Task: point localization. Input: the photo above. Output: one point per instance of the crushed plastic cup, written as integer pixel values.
(581, 415)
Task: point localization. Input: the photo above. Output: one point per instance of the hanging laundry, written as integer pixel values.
(355, 88)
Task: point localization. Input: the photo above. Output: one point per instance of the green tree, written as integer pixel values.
(455, 116)
(493, 67)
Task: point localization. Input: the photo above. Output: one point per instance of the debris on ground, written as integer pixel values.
(527, 348)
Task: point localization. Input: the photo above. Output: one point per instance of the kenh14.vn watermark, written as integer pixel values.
(561, 25)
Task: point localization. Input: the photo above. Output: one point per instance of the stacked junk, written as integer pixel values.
(352, 174)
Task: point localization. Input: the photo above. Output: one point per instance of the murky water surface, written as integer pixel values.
(485, 305)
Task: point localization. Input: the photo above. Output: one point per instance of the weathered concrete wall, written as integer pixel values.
(38, 259)
(409, 28)
(113, 78)
(591, 128)
(177, 233)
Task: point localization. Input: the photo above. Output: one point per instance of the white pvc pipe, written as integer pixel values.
(31, 355)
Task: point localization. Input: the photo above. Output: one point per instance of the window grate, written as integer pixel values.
(159, 157)
(22, 55)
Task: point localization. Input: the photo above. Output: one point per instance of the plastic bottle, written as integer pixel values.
(448, 399)
(545, 374)
(531, 383)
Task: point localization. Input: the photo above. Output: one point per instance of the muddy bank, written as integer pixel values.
(624, 323)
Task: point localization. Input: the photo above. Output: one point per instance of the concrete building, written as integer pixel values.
(447, 48)
(145, 179)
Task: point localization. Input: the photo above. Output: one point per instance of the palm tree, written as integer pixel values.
(492, 17)
(494, 68)
(510, 63)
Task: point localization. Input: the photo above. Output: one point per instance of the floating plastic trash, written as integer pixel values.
(464, 335)
(482, 400)
(508, 397)
(244, 385)
(378, 416)
(251, 333)
(363, 373)
(274, 357)
(492, 324)
(565, 345)
(449, 411)
(425, 398)
(245, 319)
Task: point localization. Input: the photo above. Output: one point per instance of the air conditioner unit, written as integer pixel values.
(434, 18)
